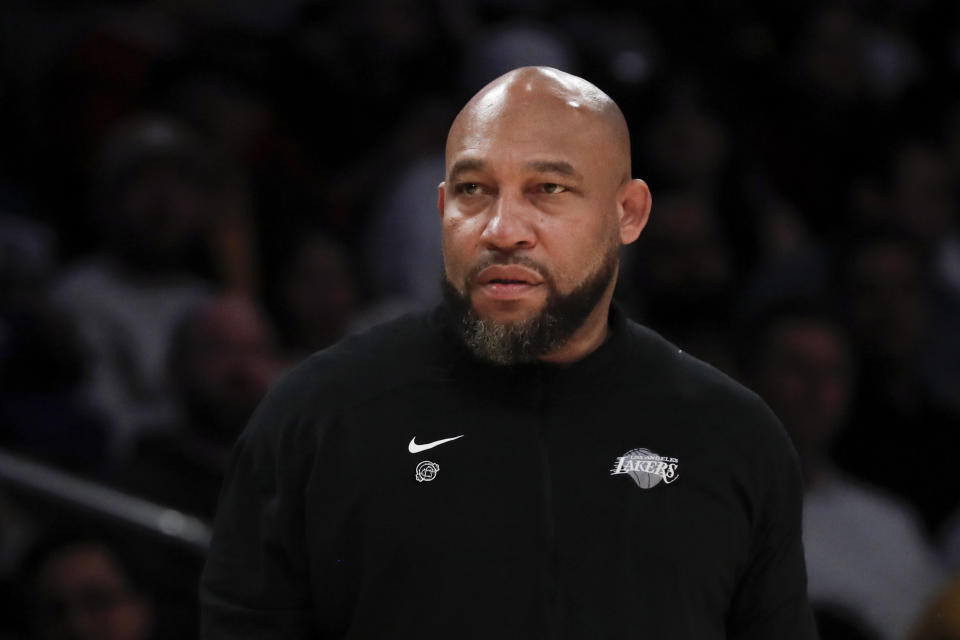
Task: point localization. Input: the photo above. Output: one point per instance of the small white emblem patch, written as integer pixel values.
(427, 471)
(647, 468)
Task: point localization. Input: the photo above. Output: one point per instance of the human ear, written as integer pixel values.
(634, 209)
(441, 196)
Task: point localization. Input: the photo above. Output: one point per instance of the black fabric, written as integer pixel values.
(323, 531)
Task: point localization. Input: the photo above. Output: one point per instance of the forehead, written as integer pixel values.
(505, 129)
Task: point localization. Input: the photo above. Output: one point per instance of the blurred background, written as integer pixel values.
(195, 195)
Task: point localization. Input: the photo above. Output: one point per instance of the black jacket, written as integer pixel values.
(637, 493)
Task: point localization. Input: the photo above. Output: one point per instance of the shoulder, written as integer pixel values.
(717, 411)
(661, 365)
(355, 370)
(363, 365)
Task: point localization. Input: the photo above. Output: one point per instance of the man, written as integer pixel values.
(523, 462)
(866, 553)
(153, 198)
(81, 585)
(222, 361)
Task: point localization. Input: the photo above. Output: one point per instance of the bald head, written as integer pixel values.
(535, 98)
(536, 203)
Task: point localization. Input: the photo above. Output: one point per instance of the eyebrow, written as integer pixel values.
(554, 166)
(543, 166)
(464, 165)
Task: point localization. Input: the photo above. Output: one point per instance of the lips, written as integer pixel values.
(509, 274)
(508, 282)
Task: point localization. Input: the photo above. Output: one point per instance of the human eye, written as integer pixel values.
(469, 188)
(552, 188)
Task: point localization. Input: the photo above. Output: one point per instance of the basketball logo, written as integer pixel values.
(645, 468)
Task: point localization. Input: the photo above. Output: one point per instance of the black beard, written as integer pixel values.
(528, 340)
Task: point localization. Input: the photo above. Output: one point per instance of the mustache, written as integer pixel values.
(506, 259)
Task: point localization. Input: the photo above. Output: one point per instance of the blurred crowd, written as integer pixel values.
(196, 195)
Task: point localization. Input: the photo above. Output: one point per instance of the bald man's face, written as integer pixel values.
(532, 208)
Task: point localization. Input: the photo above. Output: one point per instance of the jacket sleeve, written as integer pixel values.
(771, 600)
(255, 582)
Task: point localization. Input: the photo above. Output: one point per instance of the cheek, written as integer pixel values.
(459, 245)
(574, 261)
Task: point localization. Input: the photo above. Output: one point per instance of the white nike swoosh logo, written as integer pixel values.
(417, 448)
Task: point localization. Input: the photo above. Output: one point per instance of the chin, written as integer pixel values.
(508, 312)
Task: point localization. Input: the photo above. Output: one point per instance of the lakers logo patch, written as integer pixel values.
(647, 468)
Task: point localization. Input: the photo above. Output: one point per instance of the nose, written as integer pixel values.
(510, 226)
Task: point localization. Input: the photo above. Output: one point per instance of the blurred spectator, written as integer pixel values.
(403, 240)
(831, 59)
(680, 278)
(803, 273)
(865, 552)
(922, 193)
(44, 411)
(154, 188)
(79, 586)
(314, 295)
(685, 147)
(98, 64)
(923, 197)
(887, 297)
(916, 189)
(683, 271)
(374, 65)
(230, 113)
(223, 359)
(832, 119)
(233, 111)
(887, 293)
